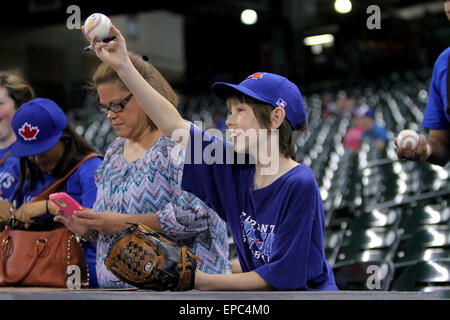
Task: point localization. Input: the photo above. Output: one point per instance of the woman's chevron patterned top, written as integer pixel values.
(153, 184)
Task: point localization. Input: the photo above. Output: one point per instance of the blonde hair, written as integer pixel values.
(18, 89)
(105, 74)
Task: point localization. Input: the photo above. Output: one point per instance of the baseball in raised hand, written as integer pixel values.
(98, 25)
(114, 53)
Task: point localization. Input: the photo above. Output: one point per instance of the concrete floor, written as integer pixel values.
(18, 293)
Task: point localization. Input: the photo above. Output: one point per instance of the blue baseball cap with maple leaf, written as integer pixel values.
(38, 126)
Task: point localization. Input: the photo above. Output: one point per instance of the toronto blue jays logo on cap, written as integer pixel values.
(256, 76)
(38, 126)
(28, 132)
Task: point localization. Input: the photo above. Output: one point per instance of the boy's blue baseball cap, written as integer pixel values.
(270, 88)
(38, 126)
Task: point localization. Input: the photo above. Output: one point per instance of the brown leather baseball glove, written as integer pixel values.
(148, 259)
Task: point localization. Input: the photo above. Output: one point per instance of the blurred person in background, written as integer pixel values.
(352, 139)
(346, 103)
(329, 107)
(364, 122)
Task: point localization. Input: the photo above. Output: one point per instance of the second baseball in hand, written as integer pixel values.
(99, 25)
(408, 136)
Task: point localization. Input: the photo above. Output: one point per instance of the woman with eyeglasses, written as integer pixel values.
(140, 180)
(49, 149)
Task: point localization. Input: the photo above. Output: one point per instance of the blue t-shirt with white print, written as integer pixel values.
(278, 230)
(9, 174)
(435, 115)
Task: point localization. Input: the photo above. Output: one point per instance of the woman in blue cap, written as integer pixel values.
(49, 148)
(273, 208)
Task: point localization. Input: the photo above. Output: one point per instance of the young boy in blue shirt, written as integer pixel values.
(276, 218)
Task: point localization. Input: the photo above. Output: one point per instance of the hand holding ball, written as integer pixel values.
(98, 25)
(406, 137)
(106, 41)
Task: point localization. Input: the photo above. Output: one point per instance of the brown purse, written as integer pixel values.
(40, 258)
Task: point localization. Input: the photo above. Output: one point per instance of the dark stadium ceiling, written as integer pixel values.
(30, 13)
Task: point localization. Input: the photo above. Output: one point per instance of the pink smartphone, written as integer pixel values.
(66, 203)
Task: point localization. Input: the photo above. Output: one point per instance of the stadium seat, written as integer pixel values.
(370, 275)
(371, 244)
(341, 217)
(428, 242)
(410, 255)
(376, 219)
(414, 218)
(333, 242)
(425, 276)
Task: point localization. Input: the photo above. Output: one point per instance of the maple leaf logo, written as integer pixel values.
(28, 132)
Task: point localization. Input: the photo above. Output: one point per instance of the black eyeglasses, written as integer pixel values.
(114, 107)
